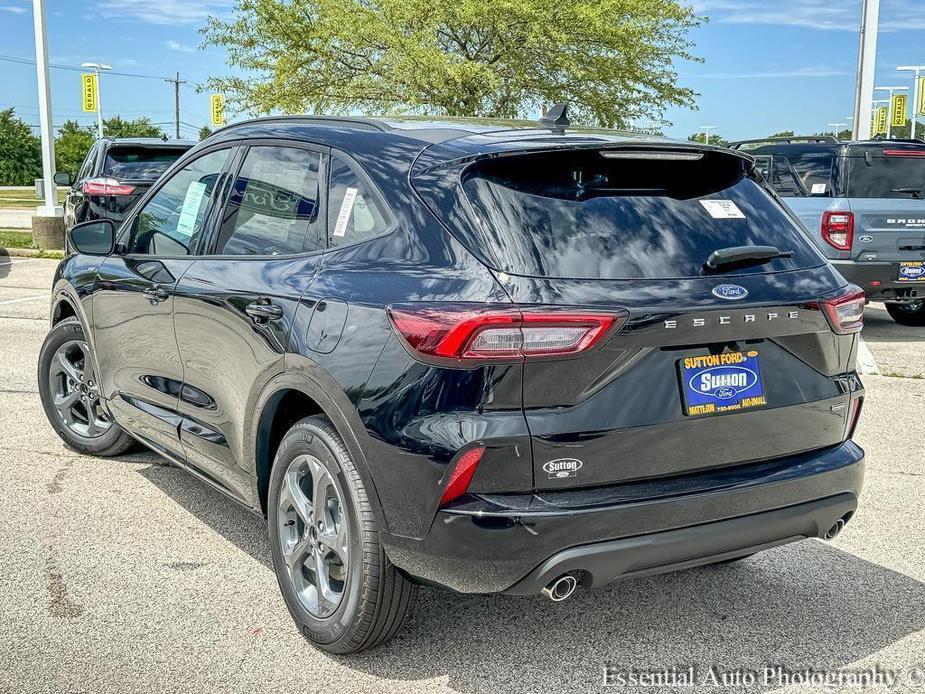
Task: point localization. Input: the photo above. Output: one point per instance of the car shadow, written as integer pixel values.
(5, 263)
(879, 327)
(806, 605)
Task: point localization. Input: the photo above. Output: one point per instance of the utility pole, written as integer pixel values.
(867, 60)
(176, 82)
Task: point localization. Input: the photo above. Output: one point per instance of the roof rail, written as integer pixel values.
(330, 121)
(827, 139)
(910, 140)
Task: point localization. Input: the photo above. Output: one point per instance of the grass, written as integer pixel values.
(15, 238)
(20, 198)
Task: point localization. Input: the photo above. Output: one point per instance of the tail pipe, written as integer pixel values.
(833, 532)
(561, 588)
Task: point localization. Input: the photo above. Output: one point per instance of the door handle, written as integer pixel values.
(263, 310)
(155, 294)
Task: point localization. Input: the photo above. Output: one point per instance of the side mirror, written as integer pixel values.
(62, 179)
(96, 237)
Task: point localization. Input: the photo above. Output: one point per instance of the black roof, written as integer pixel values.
(149, 141)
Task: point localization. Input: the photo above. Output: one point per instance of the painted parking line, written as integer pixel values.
(23, 299)
(866, 360)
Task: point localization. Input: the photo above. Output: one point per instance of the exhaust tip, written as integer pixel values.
(833, 532)
(562, 588)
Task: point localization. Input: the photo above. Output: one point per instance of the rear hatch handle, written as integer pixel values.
(742, 256)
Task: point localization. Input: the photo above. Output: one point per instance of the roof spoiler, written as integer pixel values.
(827, 139)
(556, 117)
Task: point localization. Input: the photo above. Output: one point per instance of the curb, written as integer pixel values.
(30, 253)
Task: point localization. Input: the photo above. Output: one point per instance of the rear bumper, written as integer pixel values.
(889, 289)
(519, 543)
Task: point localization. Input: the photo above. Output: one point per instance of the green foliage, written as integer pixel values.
(204, 132)
(611, 60)
(20, 151)
(715, 139)
(72, 145)
(140, 127)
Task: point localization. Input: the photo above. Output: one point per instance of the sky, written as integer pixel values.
(767, 66)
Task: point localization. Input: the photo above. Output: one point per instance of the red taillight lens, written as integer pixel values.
(845, 310)
(462, 475)
(838, 229)
(904, 153)
(106, 186)
(508, 334)
(854, 416)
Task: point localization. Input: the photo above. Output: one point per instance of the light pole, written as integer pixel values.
(706, 132)
(97, 67)
(917, 95)
(889, 114)
(835, 127)
(867, 63)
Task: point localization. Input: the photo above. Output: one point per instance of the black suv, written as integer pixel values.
(487, 357)
(115, 174)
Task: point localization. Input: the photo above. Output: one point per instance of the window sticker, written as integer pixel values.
(818, 188)
(186, 225)
(722, 209)
(346, 207)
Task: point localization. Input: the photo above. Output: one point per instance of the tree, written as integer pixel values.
(20, 151)
(715, 139)
(140, 127)
(72, 145)
(204, 132)
(611, 60)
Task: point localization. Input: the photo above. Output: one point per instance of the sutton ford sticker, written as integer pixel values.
(562, 468)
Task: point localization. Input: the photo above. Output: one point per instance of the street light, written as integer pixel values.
(889, 117)
(97, 67)
(835, 127)
(917, 96)
(706, 132)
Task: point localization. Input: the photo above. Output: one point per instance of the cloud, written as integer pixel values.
(809, 71)
(166, 12)
(13, 9)
(179, 47)
(895, 15)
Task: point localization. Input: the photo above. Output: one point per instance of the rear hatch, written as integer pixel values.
(886, 195)
(127, 174)
(709, 367)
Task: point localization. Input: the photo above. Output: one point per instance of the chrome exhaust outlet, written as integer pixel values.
(562, 588)
(835, 529)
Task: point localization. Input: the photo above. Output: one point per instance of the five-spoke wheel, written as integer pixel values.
(75, 390)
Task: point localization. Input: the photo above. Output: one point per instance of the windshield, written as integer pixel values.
(884, 175)
(139, 163)
(579, 214)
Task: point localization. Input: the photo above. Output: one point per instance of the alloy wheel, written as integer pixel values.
(75, 391)
(314, 535)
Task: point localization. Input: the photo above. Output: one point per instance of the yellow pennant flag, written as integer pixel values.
(217, 104)
(900, 102)
(90, 92)
(882, 117)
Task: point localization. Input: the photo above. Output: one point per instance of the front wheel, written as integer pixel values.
(336, 580)
(910, 313)
(70, 394)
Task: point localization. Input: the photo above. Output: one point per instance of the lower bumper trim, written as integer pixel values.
(682, 548)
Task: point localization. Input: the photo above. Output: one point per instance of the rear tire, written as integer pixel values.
(912, 313)
(336, 580)
(69, 391)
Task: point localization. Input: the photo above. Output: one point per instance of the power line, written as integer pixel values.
(28, 61)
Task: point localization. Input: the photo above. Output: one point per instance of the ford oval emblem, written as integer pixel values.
(731, 292)
(866, 238)
(723, 382)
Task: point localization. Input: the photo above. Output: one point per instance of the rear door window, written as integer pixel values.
(581, 214)
(139, 163)
(887, 173)
(354, 209)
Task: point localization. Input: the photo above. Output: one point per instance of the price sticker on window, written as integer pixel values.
(722, 209)
(346, 207)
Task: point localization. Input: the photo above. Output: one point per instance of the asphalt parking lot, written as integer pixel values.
(126, 575)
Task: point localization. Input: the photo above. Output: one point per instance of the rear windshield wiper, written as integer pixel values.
(742, 256)
(914, 192)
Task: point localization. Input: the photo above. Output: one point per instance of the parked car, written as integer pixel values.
(492, 358)
(863, 205)
(115, 174)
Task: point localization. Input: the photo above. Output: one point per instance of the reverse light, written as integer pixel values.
(506, 334)
(845, 310)
(838, 229)
(106, 186)
(462, 474)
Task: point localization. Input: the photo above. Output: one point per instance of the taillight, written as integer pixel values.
(504, 334)
(845, 310)
(904, 153)
(854, 416)
(106, 186)
(462, 474)
(838, 229)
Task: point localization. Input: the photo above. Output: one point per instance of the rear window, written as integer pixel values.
(579, 214)
(794, 173)
(139, 163)
(882, 174)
